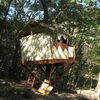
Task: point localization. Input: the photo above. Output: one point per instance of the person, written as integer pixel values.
(62, 38)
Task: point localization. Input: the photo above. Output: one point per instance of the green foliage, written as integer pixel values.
(81, 21)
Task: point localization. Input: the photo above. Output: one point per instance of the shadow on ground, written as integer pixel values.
(14, 91)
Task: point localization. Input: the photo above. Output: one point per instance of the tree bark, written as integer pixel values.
(45, 8)
(48, 70)
(14, 67)
(98, 84)
(97, 89)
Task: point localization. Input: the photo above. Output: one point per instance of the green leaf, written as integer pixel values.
(87, 1)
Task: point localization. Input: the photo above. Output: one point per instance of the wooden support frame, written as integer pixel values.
(31, 80)
(32, 75)
(52, 61)
(52, 71)
(53, 68)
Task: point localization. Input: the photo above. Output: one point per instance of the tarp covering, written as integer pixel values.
(42, 47)
(35, 47)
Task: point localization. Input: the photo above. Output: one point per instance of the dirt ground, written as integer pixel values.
(15, 91)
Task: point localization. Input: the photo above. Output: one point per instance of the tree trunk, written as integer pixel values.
(98, 84)
(48, 69)
(45, 8)
(13, 72)
(79, 59)
(97, 89)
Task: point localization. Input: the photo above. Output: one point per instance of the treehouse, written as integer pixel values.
(44, 45)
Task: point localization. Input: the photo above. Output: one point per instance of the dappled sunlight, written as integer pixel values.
(53, 40)
(41, 46)
(58, 53)
(91, 94)
(35, 47)
(14, 91)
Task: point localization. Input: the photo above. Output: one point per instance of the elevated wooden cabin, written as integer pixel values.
(42, 44)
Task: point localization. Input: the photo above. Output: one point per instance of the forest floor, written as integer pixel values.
(18, 91)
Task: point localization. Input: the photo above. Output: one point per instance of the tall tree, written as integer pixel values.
(45, 8)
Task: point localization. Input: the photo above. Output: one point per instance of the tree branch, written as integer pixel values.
(6, 13)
